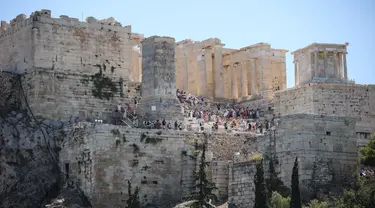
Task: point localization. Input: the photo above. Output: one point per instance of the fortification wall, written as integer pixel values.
(101, 158)
(16, 41)
(351, 100)
(106, 157)
(66, 44)
(325, 146)
(294, 101)
(220, 176)
(241, 184)
(330, 99)
(60, 95)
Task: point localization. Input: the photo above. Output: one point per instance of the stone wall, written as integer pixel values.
(69, 45)
(294, 101)
(106, 157)
(65, 44)
(76, 94)
(16, 41)
(241, 184)
(350, 100)
(326, 148)
(220, 176)
(83, 67)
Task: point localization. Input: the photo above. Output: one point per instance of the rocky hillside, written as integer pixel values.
(30, 175)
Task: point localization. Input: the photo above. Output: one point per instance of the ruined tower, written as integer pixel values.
(159, 100)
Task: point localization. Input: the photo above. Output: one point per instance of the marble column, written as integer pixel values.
(325, 65)
(296, 80)
(209, 72)
(234, 80)
(339, 58)
(242, 68)
(248, 76)
(253, 76)
(345, 67)
(185, 82)
(260, 74)
(202, 75)
(218, 72)
(336, 65)
(316, 57)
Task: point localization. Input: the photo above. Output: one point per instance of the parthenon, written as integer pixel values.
(209, 69)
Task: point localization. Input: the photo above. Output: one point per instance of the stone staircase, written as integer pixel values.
(128, 122)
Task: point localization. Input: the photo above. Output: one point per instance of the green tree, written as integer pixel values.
(363, 196)
(318, 204)
(260, 187)
(204, 187)
(368, 154)
(295, 201)
(273, 183)
(133, 200)
(278, 201)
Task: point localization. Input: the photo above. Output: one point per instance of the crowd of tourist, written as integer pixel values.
(231, 117)
(200, 111)
(163, 125)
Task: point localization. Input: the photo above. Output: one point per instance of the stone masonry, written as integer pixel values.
(159, 100)
(86, 69)
(82, 66)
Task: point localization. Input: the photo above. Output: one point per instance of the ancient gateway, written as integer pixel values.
(60, 69)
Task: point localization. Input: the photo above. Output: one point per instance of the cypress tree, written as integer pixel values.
(204, 187)
(295, 201)
(260, 187)
(274, 183)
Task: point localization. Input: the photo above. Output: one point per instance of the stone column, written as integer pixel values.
(209, 72)
(260, 74)
(202, 74)
(243, 73)
(159, 100)
(345, 67)
(316, 57)
(336, 65)
(248, 76)
(185, 82)
(325, 65)
(234, 81)
(253, 74)
(296, 80)
(218, 72)
(340, 65)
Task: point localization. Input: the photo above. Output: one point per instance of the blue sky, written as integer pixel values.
(286, 24)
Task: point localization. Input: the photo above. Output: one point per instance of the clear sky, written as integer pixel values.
(285, 24)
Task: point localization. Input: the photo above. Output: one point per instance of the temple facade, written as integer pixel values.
(321, 62)
(209, 69)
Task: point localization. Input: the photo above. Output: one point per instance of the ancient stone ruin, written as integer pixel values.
(87, 106)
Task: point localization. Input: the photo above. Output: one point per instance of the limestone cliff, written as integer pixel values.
(29, 169)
